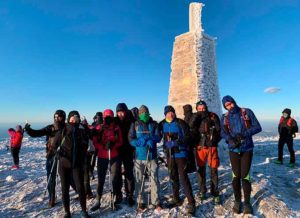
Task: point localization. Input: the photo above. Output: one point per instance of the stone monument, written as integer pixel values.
(193, 67)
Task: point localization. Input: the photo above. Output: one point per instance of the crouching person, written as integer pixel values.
(144, 135)
(110, 139)
(176, 137)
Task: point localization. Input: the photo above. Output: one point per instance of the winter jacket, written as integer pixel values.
(125, 127)
(109, 134)
(287, 127)
(142, 135)
(178, 131)
(49, 131)
(206, 129)
(16, 138)
(237, 127)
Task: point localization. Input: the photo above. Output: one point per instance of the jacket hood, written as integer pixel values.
(288, 111)
(187, 109)
(121, 107)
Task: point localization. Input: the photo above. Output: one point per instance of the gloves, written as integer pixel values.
(171, 144)
(141, 142)
(150, 144)
(239, 138)
(108, 145)
(233, 144)
(27, 126)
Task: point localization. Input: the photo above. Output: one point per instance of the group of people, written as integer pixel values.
(130, 139)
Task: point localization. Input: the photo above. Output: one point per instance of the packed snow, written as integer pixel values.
(276, 188)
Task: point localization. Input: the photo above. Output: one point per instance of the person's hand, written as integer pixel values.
(150, 144)
(141, 142)
(294, 135)
(108, 145)
(233, 144)
(239, 138)
(27, 126)
(171, 144)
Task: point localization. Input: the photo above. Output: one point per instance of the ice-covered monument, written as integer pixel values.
(193, 67)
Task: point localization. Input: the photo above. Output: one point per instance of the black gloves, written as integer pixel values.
(27, 126)
(236, 141)
(108, 145)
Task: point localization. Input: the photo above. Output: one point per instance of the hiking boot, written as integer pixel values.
(158, 208)
(84, 214)
(247, 208)
(15, 167)
(202, 196)
(217, 200)
(237, 207)
(89, 196)
(291, 165)
(119, 199)
(130, 201)
(190, 209)
(96, 206)
(51, 203)
(142, 207)
(67, 215)
(278, 162)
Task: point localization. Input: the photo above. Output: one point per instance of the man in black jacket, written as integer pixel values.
(50, 131)
(124, 119)
(287, 129)
(206, 130)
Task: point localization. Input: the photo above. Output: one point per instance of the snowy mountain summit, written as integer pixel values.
(276, 188)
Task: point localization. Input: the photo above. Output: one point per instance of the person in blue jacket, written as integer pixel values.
(238, 125)
(176, 137)
(144, 136)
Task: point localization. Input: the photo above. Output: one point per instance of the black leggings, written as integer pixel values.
(241, 164)
(289, 142)
(15, 154)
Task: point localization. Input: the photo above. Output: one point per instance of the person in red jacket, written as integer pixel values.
(109, 140)
(16, 137)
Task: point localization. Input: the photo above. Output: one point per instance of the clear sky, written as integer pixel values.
(89, 55)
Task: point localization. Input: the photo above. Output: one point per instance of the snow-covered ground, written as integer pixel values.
(276, 189)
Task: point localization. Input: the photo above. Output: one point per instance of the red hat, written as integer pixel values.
(108, 112)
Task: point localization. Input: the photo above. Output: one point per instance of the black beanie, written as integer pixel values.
(187, 108)
(72, 113)
(168, 109)
(201, 102)
(61, 113)
(121, 107)
(288, 111)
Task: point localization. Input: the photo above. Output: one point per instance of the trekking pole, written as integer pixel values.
(143, 180)
(110, 181)
(149, 182)
(51, 173)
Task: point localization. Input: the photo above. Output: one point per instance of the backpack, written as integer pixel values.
(289, 123)
(246, 119)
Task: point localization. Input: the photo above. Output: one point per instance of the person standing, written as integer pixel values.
(238, 125)
(124, 119)
(50, 132)
(16, 137)
(176, 136)
(144, 136)
(110, 139)
(287, 129)
(206, 129)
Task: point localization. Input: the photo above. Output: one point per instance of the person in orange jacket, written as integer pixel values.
(16, 137)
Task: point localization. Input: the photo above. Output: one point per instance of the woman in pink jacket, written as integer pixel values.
(16, 137)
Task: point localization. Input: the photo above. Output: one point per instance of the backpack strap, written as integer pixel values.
(246, 118)
(226, 123)
(290, 122)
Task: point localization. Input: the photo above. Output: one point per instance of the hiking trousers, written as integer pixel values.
(210, 155)
(241, 164)
(289, 141)
(177, 169)
(66, 173)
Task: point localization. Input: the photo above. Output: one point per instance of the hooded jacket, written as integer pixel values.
(15, 138)
(287, 126)
(238, 127)
(142, 134)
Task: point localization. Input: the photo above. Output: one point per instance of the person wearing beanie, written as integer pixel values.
(124, 119)
(144, 136)
(238, 125)
(135, 113)
(206, 129)
(110, 139)
(287, 129)
(50, 132)
(16, 137)
(73, 143)
(176, 137)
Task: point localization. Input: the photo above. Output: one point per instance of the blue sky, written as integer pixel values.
(90, 55)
